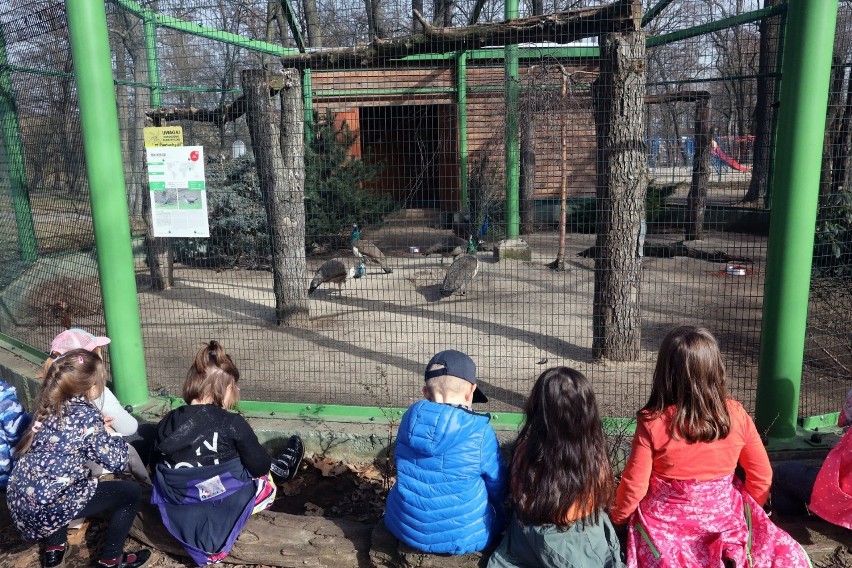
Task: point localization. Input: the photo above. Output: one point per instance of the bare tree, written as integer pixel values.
(277, 136)
(619, 101)
(766, 95)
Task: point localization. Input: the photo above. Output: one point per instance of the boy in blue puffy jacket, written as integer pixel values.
(451, 478)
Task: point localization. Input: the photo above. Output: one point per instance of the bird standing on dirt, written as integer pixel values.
(459, 275)
(450, 247)
(366, 249)
(337, 271)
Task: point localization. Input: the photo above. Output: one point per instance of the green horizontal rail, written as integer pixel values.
(205, 32)
(339, 412)
(21, 349)
(384, 92)
(820, 421)
(710, 27)
(43, 72)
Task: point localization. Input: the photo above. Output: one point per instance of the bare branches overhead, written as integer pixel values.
(559, 27)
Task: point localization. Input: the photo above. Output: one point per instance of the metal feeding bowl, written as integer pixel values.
(736, 270)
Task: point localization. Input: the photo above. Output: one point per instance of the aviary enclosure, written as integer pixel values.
(614, 169)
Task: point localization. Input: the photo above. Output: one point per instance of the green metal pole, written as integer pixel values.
(13, 146)
(461, 99)
(150, 26)
(102, 146)
(805, 72)
(513, 153)
(308, 101)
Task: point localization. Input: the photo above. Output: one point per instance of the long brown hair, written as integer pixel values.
(561, 464)
(690, 376)
(76, 373)
(212, 374)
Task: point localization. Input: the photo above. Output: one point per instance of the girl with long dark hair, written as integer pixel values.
(561, 480)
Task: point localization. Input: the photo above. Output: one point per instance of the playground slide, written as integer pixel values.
(717, 151)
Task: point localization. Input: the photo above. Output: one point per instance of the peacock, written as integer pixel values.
(451, 247)
(459, 275)
(367, 250)
(337, 271)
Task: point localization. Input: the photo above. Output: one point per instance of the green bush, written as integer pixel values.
(336, 192)
(833, 240)
(238, 230)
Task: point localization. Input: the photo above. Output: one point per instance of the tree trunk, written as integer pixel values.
(278, 143)
(770, 32)
(155, 248)
(122, 106)
(416, 26)
(443, 13)
(375, 19)
(312, 21)
(700, 170)
(622, 180)
(527, 173)
(559, 263)
(274, 20)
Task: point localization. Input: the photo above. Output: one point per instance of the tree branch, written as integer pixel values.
(559, 27)
(218, 116)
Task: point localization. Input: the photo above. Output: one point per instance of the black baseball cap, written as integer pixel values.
(456, 364)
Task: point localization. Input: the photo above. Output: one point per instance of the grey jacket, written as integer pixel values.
(546, 546)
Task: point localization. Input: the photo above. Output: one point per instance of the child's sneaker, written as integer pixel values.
(54, 556)
(286, 466)
(127, 560)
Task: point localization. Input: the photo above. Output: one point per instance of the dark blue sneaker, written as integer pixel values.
(286, 465)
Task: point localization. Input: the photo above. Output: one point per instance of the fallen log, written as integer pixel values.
(274, 539)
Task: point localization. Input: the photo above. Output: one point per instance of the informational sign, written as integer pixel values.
(178, 191)
(157, 136)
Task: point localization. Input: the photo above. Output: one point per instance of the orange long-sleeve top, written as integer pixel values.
(656, 452)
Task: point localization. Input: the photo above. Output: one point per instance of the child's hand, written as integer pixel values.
(110, 430)
(108, 421)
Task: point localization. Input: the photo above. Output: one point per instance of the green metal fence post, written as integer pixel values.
(150, 27)
(14, 149)
(102, 146)
(308, 102)
(512, 143)
(461, 100)
(805, 72)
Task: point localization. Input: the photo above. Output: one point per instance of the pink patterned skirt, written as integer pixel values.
(701, 524)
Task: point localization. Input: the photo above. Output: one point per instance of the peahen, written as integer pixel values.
(337, 271)
(451, 247)
(367, 250)
(459, 275)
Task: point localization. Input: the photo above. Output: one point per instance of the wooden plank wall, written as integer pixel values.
(540, 92)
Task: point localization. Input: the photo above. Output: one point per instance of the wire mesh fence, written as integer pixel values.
(412, 148)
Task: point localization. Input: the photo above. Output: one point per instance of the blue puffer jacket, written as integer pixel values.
(448, 497)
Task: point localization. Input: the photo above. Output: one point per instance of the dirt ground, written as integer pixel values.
(367, 344)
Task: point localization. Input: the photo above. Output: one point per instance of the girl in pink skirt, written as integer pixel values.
(678, 494)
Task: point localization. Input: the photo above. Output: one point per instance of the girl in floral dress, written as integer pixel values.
(51, 484)
(678, 494)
